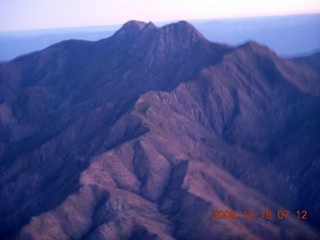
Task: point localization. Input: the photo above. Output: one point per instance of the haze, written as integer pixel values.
(40, 14)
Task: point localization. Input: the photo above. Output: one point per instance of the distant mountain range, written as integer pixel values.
(144, 134)
(296, 35)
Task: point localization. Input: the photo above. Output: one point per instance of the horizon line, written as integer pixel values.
(155, 22)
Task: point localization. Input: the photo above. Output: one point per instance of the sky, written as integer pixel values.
(46, 14)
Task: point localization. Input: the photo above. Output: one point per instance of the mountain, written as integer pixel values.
(144, 134)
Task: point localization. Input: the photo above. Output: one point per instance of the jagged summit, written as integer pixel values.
(134, 25)
(183, 28)
(253, 46)
(181, 31)
(130, 28)
(133, 28)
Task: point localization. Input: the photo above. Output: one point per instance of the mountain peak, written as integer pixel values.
(183, 29)
(133, 27)
(133, 24)
(180, 34)
(253, 46)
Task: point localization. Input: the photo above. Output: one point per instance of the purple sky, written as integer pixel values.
(43, 14)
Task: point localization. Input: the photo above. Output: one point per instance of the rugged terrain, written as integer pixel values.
(143, 134)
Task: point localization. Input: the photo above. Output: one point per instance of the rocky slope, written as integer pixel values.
(143, 134)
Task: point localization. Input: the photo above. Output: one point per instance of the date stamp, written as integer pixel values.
(263, 214)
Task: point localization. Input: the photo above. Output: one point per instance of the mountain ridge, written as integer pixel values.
(166, 117)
